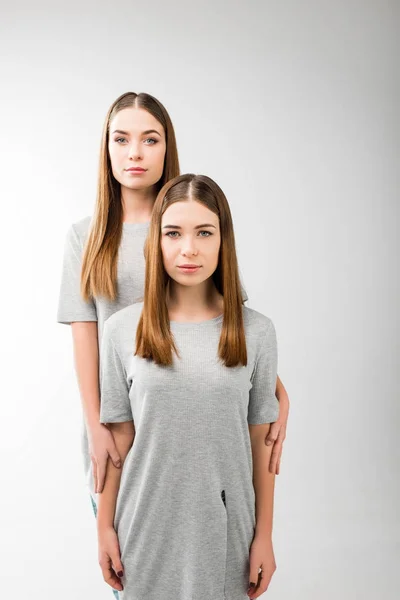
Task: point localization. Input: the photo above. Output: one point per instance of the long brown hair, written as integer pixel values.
(154, 339)
(99, 264)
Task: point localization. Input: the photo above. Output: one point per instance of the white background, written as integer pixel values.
(292, 107)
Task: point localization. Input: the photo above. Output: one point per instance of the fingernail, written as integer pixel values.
(269, 442)
(120, 573)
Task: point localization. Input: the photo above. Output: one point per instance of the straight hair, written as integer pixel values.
(99, 263)
(154, 339)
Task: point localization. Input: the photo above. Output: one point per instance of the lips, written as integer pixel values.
(136, 170)
(189, 266)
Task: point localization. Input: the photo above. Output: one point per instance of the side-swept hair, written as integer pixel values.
(154, 339)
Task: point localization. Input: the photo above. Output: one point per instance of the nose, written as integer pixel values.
(135, 151)
(189, 247)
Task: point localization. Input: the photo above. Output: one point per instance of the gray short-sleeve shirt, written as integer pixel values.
(130, 289)
(130, 275)
(185, 513)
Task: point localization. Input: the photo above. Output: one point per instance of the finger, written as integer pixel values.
(101, 473)
(282, 434)
(277, 449)
(276, 452)
(109, 575)
(115, 556)
(263, 584)
(272, 434)
(115, 457)
(258, 591)
(253, 578)
(94, 471)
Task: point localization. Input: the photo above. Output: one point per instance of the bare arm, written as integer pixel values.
(261, 550)
(86, 354)
(108, 543)
(277, 433)
(124, 435)
(263, 479)
(282, 394)
(101, 442)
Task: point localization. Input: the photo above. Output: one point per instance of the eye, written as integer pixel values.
(151, 140)
(208, 233)
(171, 234)
(120, 139)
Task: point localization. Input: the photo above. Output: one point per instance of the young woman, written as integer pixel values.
(189, 405)
(103, 268)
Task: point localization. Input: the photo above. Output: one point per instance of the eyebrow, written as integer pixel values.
(197, 226)
(143, 132)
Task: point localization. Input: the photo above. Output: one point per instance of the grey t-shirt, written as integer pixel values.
(185, 513)
(130, 275)
(130, 282)
(130, 286)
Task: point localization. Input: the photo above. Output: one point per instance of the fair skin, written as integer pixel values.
(136, 139)
(190, 235)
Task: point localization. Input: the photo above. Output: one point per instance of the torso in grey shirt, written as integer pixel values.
(130, 286)
(185, 512)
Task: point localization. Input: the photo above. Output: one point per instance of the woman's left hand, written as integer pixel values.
(261, 557)
(277, 431)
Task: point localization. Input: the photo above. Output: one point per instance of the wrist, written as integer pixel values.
(103, 525)
(263, 531)
(93, 422)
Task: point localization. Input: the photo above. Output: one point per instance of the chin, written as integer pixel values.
(189, 280)
(136, 185)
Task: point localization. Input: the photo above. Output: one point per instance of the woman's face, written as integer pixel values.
(190, 242)
(136, 140)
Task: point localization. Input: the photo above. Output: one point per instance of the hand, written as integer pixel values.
(261, 557)
(102, 446)
(277, 433)
(110, 558)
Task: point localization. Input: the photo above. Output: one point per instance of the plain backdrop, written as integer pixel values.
(292, 107)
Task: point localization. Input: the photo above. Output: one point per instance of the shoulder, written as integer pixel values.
(82, 226)
(78, 231)
(257, 325)
(256, 320)
(122, 324)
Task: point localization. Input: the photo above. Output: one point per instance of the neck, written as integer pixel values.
(137, 205)
(194, 303)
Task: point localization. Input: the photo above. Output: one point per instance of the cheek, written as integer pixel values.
(160, 157)
(214, 251)
(167, 252)
(114, 157)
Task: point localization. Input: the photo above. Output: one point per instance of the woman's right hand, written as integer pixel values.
(102, 446)
(110, 557)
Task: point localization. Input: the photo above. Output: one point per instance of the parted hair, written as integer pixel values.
(154, 339)
(99, 263)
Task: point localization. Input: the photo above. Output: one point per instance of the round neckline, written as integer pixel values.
(198, 323)
(141, 225)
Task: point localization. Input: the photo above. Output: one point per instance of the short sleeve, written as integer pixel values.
(71, 306)
(263, 404)
(115, 404)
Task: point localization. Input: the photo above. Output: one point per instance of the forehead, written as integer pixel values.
(188, 213)
(135, 120)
